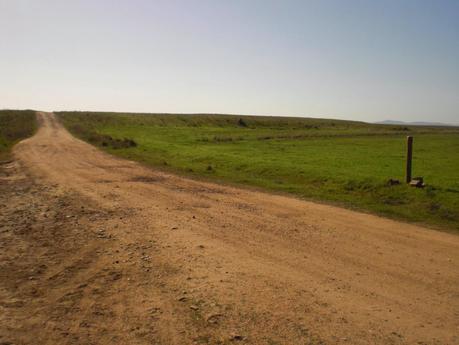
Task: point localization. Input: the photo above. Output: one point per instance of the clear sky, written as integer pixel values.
(365, 60)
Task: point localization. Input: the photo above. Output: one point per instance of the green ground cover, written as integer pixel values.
(340, 162)
(15, 125)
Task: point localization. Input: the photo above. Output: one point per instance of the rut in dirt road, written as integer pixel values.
(177, 261)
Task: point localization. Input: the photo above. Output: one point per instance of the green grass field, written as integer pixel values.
(340, 162)
(15, 125)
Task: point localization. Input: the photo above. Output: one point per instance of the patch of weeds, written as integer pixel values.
(353, 185)
(394, 200)
(434, 207)
(108, 141)
(437, 208)
(448, 214)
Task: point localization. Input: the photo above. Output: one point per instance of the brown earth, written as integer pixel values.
(99, 250)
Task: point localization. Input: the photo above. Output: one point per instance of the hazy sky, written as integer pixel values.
(366, 60)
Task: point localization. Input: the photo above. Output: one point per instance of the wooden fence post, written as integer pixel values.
(409, 157)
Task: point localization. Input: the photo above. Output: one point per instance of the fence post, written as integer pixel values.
(409, 157)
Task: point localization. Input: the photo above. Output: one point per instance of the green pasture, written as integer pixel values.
(15, 125)
(340, 162)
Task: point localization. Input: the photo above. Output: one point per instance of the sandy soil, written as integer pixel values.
(99, 250)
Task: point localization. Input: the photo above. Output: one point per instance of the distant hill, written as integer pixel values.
(416, 123)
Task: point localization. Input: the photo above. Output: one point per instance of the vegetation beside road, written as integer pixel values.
(15, 125)
(341, 162)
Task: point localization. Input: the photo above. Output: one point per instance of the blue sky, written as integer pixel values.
(365, 60)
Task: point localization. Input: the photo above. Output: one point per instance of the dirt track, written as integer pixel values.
(99, 250)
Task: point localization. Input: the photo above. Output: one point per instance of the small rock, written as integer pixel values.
(213, 318)
(393, 182)
(155, 310)
(236, 337)
(194, 307)
(417, 182)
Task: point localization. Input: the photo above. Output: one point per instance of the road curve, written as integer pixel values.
(281, 270)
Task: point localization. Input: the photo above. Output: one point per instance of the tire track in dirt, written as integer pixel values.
(227, 264)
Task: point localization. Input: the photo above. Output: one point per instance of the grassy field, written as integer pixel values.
(15, 125)
(340, 162)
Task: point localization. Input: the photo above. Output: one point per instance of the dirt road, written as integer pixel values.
(99, 250)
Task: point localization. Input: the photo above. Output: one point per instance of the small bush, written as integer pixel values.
(108, 141)
(242, 123)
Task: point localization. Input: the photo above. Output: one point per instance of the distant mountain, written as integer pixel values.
(416, 123)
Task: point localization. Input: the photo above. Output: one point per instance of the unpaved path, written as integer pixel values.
(99, 250)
